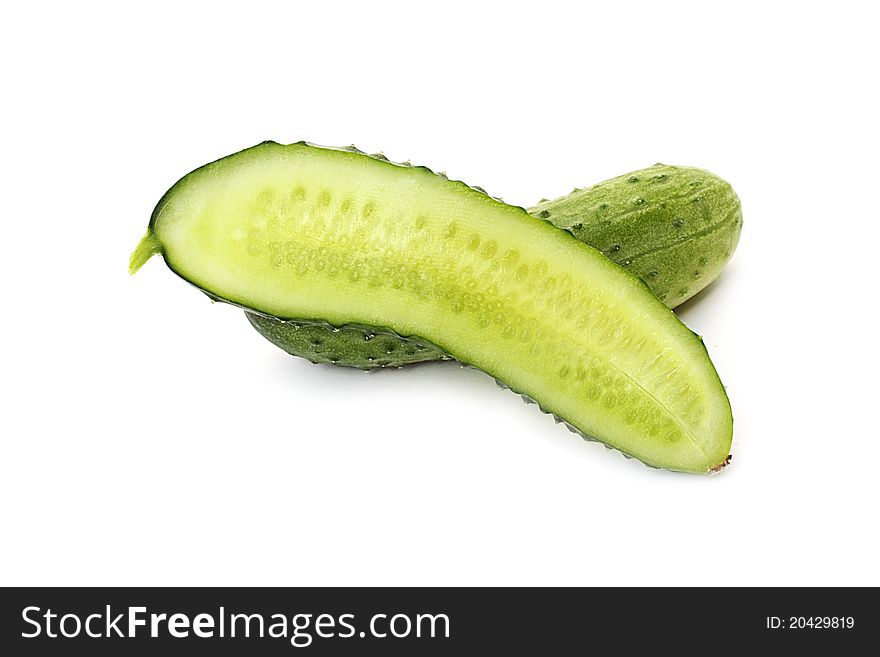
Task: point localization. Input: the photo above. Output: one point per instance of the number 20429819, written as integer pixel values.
(810, 623)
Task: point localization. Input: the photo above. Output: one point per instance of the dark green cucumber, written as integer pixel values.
(336, 236)
(673, 227)
(365, 347)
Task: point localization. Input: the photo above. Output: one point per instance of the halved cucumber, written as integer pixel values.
(309, 233)
(673, 227)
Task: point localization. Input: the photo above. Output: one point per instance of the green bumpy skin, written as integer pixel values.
(673, 227)
(337, 236)
(365, 347)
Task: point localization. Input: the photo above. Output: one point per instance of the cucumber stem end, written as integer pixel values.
(146, 249)
(722, 465)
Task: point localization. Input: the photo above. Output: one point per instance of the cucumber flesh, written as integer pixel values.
(335, 236)
(673, 227)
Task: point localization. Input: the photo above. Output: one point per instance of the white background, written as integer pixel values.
(151, 437)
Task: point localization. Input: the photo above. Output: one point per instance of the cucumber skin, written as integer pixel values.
(351, 345)
(673, 227)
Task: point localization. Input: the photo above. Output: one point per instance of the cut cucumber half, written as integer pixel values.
(673, 227)
(311, 234)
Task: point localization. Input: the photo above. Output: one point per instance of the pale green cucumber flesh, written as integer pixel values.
(673, 227)
(333, 236)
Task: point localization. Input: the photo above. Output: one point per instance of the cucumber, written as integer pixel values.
(673, 227)
(305, 233)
